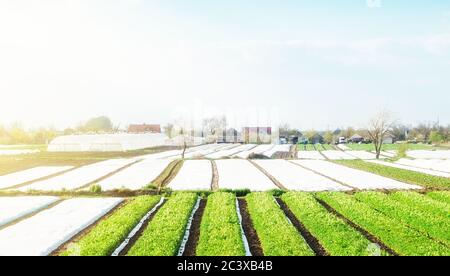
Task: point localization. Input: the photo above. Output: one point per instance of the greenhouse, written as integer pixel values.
(106, 142)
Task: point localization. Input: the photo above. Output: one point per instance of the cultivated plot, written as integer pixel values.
(79, 177)
(21, 177)
(409, 168)
(315, 155)
(296, 178)
(238, 174)
(277, 148)
(136, 176)
(337, 155)
(428, 154)
(12, 208)
(431, 164)
(256, 150)
(43, 233)
(361, 154)
(231, 152)
(352, 177)
(194, 175)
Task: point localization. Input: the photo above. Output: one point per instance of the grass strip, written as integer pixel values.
(427, 223)
(220, 232)
(277, 235)
(107, 235)
(163, 235)
(337, 237)
(399, 237)
(411, 177)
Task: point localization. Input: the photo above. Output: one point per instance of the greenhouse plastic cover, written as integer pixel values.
(107, 142)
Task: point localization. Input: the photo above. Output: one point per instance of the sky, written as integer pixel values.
(318, 64)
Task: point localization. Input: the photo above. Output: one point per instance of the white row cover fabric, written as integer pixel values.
(337, 155)
(79, 177)
(238, 174)
(429, 154)
(231, 151)
(257, 150)
(296, 178)
(362, 154)
(12, 208)
(277, 148)
(136, 176)
(409, 168)
(352, 177)
(17, 178)
(343, 147)
(107, 142)
(315, 155)
(432, 164)
(194, 175)
(43, 233)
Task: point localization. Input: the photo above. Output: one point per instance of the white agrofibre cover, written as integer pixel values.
(232, 151)
(12, 208)
(277, 148)
(79, 177)
(315, 155)
(343, 147)
(256, 150)
(409, 168)
(43, 233)
(136, 176)
(241, 174)
(429, 154)
(296, 178)
(354, 178)
(432, 164)
(25, 176)
(203, 151)
(337, 155)
(106, 142)
(194, 175)
(361, 154)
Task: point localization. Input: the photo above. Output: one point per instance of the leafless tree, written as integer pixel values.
(378, 128)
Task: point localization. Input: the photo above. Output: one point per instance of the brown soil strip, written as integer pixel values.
(358, 228)
(249, 230)
(312, 241)
(168, 174)
(323, 175)
(293, 152)
(215, 178)
(108, 175)
(40, 179)
(31, 214)
(194, 232)
(141, 231)
(86, 231)
(273, 179)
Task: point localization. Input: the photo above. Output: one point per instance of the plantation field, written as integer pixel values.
(386, 147)
(261, 223)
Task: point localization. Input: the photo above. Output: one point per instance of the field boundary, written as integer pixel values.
(189, 243)
(243, 236)
(249, 231)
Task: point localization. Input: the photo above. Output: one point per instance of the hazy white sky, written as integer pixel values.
(318, 63)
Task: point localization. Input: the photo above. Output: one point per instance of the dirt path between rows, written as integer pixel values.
(194, 232)
(312, 241)
(249, 230)
(361, 230)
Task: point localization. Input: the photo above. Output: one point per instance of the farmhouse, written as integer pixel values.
(356, 139)
(257, 135)
(144, 128)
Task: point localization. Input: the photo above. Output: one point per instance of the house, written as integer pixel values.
(257, 135)
(356, 139)
(144, 128)
(389, 139)
(316, 139)
(230, 135)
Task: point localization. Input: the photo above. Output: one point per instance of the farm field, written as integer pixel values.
(262, 223)
(399, 165)
(387, 147)
(193, 175)
(21, 177)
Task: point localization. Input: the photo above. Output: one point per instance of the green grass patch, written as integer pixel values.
(411, 177)
(371, 147)
(107, 235)
(430, 224)
(337, 237)
(442, 196)
(399, 237)
(164, 233)
(220, 232)
(277, 236)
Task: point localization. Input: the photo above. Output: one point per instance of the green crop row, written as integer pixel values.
(411, 177)
(278, 237)
(107, 235)
(423, 203)
(220, 232)
(164, 233)
(399, 237)
(443, 196)
(336, 236)
(427, 223)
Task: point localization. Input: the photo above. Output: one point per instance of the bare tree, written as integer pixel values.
(378, 128)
